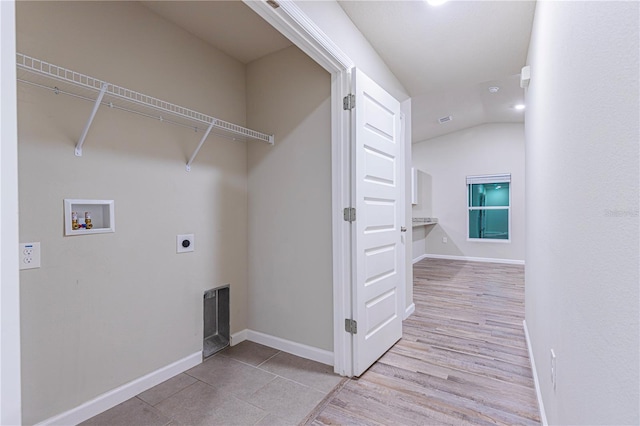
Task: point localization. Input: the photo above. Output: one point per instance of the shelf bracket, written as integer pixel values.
(91, 117)
(204, 137)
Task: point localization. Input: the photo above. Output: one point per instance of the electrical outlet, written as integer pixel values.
(445, 240)
(185, 243)
(554, 369)
(29, 255)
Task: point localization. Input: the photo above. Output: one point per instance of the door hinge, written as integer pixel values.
(349, 214)
(349, 102)
(351, 326)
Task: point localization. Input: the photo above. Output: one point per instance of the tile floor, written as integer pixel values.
(247, 384)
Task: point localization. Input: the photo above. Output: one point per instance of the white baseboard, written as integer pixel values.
(238, 337)
(410, 309)
(470, 259)
(120, 394)
(303, 351)
(419, 258)
(543, 415)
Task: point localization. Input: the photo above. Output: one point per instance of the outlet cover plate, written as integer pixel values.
(185, 243)
(29, 255)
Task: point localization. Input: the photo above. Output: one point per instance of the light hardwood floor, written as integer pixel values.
(462, 358)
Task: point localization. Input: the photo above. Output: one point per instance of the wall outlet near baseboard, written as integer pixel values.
(445, 240)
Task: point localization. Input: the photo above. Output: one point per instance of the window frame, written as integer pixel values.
(489, 179)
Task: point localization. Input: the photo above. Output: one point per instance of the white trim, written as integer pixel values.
(470, 259)
(543, 414)
(120, 394)
(405, 237)
(497, 178)
(238, 337)
(419, 258)
(10, 394)
(410, 309)
(294, 348)
(488, 240)
(341, 248)
(294, 24)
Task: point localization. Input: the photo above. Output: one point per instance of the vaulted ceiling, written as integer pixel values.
(447, 56)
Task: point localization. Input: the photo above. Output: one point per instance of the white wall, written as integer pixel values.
(334, 22)
(582, 126)
(106, 309)
(10, 398)
(290, 239)
(444, 163)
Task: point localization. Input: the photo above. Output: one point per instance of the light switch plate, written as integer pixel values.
(29, 255)
(185, 243)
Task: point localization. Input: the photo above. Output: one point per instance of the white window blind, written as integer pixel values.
(488, 179)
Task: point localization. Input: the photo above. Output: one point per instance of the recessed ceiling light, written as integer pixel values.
(494, 89)
(436, 2)
(519, 106)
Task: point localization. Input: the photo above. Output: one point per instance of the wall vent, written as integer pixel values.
(216, 321)
(446, 119)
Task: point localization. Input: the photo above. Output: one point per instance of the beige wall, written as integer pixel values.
(106, 309)
(582, 294)
(290, 240)
(444, 163)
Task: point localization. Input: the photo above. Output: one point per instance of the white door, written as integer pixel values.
(379, 193)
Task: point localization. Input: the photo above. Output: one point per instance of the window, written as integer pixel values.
(488, 207)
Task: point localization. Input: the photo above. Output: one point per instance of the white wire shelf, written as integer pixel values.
(101, 93)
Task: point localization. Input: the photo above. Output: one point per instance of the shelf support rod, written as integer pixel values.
(91, 117)
(204, 137)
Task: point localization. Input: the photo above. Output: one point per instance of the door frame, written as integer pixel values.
(10, 381)
(308, 37)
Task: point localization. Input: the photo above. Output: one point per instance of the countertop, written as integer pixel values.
(424, 221)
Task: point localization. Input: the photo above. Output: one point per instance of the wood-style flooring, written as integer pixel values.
(462, 359)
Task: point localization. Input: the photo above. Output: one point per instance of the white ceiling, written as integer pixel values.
(446, 57)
